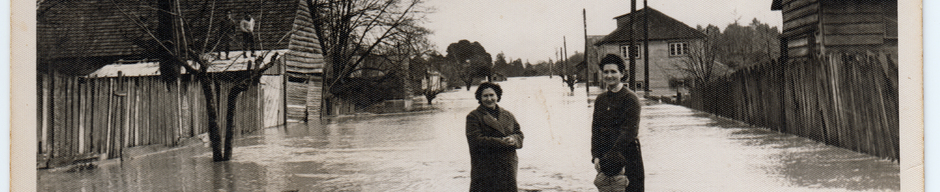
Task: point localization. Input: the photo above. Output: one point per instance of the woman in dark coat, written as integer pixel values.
(616, 123)
(493, 136)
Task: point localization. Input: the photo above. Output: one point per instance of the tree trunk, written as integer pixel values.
(230, 119)
(212, 116)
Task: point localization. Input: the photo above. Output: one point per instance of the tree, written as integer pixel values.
(402, 59)
(351, 31)
(568, 69)
(185, 41)
(471, 60)
(724, 51)
(741, 46)
(501, 66)
(540, 68)
(445, 66)
(421, 69)
(701, 62)
(517, 67)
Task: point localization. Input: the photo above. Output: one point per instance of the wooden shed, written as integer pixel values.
(838, 76)
(82, 44)
(817, 27)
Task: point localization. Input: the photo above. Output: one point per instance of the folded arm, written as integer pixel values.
(476, 138)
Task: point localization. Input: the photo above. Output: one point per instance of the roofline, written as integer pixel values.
(776, 5)
(217, 66)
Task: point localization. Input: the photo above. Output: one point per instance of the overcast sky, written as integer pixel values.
(533, 29)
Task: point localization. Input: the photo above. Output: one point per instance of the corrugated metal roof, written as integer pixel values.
(152, 68)
(144, 68)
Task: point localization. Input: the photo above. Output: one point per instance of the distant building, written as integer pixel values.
(669, 44)
(818, 27)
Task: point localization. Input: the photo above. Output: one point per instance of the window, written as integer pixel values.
(624, 48)
(678, 48)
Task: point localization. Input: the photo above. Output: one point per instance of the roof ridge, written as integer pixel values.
(661, 26)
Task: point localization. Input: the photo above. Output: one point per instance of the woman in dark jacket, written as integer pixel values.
(616, 123)
(493, 136)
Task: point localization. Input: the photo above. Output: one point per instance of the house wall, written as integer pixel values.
(859, 26)
(812, 27)
(304, 62)
(800, 24)
(662, 66)
(272, 89)
(296, 99)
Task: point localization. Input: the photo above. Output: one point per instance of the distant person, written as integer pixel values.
(615, 125)
(247, 27)
(493, 136)
(226, 33)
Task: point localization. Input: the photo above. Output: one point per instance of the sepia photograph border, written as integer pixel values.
(23, 95)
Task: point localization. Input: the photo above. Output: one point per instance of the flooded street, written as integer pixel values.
(683, 150)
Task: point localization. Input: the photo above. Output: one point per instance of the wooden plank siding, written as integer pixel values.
(296, 100)
(92, 117)
(314, 95)
(304, 64)
(853, 28)
(852, 24)
(304, 55)
(845, 99)
(800, 22)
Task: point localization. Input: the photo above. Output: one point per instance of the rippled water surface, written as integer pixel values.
(684, 150)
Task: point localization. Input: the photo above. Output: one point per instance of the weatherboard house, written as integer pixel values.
(814, 28)
(670, 42)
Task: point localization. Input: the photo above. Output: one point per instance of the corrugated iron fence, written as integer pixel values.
(847, 99)
(83, 118)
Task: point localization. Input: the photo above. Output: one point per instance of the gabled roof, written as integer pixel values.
(662, 27)
(105, 28)
(776, 5)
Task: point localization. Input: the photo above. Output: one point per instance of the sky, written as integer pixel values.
(533, 29)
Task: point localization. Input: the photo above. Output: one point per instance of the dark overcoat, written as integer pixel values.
(493, 160)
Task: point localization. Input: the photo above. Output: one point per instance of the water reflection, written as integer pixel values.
(684, 150)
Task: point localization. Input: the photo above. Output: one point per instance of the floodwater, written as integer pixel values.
(683, 150)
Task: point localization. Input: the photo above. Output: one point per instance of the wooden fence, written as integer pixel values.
(83, 118)
(847, 99)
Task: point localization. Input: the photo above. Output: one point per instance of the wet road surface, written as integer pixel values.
(683, 150)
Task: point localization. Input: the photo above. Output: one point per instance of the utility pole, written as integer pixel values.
(646, 49)
(551, 65)
(564, 43)
(587, 67)
(632, 47)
